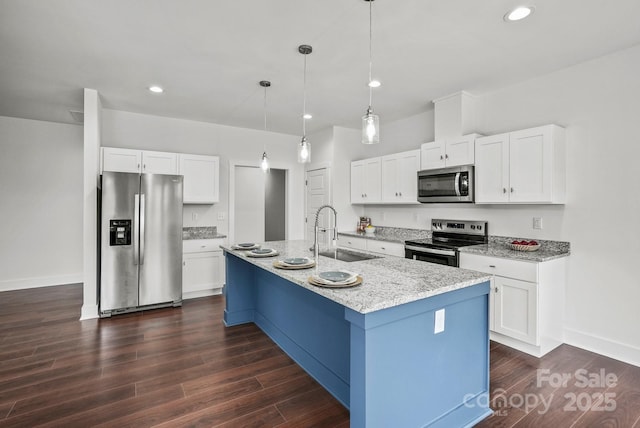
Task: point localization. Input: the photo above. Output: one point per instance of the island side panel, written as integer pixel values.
(311, 329)
(403, 374)
(239, 291)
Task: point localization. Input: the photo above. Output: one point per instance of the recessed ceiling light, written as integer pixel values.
(519, 13)
(156, 89)
(374, 84)
(307, 116)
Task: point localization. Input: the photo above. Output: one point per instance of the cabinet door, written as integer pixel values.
(202, 271)
(492, 169)
(408, 165)
(357, 182)
(432, 155)
(201, 178)
(372, 180)
(389, 180)
(460, 151)
(530, 170)
(121, 160)
(159, 163)
(516, 309)
(385, 247)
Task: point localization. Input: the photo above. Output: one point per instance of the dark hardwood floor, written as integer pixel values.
(182, 367)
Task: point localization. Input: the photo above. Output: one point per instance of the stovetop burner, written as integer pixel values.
(453, 234)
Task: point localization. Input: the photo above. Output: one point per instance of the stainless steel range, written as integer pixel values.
(447, 237)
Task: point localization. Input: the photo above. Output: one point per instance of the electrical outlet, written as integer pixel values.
(439, 323)
(220, 216)
(537, 222)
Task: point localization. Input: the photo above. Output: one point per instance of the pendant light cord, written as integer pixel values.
(265, 118)
(304, 98)
(370, 51)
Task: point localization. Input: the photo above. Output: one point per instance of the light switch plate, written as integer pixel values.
(439, 324)
(537, 222)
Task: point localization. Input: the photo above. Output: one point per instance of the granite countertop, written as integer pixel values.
(206, 232)
(388, 281)
(498, 246)
(391, 234)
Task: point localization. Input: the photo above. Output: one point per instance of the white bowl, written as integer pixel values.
(369, 230)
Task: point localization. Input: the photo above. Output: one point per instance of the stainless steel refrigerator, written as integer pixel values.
(140, 242)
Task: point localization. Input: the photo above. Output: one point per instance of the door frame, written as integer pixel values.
(233, 163)
(314, 167)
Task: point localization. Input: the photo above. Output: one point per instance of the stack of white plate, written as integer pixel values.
(336, 279)
(246, 246)
(294, 263)
(262, 252)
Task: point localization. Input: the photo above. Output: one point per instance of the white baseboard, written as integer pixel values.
(89, 312)
(201, 293)
(610, 348)
(48, 281)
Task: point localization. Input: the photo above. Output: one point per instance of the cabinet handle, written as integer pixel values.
(504, 190)
(441, 158)
(396, 193)
(138, 166)
(184, 263)
(446, 156)
(492, 266)
(203, 246)
(496, 289)
(400, 193)
(144, 166)
(512, 190)
(382, 248)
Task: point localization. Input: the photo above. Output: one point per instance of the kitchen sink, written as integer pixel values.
(347, 256)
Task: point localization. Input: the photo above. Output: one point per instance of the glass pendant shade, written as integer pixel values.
(370, 128)
(264, 164)
(304, 151)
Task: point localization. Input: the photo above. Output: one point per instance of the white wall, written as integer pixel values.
(40, 203)
(244, 146)
(598, 102)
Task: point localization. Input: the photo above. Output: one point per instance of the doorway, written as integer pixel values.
(259, 204)
(318, 193)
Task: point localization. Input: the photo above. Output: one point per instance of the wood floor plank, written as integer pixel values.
(280, 375)
(5, 408)
(302, 404)
(330, 415)
(263, 418)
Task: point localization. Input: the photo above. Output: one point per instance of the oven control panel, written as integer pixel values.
(459, 226)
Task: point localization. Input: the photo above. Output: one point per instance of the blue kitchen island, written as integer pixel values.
(374, 346)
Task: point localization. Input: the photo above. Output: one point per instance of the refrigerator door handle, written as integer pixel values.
(142, 204)
(136, 227)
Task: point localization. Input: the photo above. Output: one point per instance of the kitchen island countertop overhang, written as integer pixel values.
(376, 347)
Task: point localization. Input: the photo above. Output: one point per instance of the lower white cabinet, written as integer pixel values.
(526, 309)
(373, 245)
(202, 268)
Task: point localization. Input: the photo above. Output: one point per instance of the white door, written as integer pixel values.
(432, 155)
(249, 204)
(530, 165)
(159, 163)
(121, 160)
(407, 170)
(357, 182)
(318, 194)
(390, 186)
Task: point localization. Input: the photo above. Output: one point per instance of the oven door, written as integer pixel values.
(432, 255)
(446, 185)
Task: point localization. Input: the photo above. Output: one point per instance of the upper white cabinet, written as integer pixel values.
(454, 152)
(526, 166)
(399, 177)
(201, 178)
(138, 161)
(366, 181)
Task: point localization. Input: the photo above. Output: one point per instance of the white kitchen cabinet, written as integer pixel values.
(201, 178)
(399, 177)
(373, 245)
(366, 181)
(526, 301)
(138, 161)
(453, 152)
(202, 268)
(526, 166)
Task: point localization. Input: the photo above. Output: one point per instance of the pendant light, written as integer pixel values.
(264, 163)
(304, 148)
(370, 121)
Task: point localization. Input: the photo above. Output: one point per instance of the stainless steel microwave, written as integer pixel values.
(454, 184)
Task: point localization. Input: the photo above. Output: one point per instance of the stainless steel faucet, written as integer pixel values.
(317, 229)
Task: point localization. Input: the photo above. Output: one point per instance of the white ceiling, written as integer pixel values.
(209, 55)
